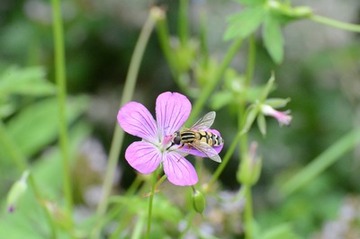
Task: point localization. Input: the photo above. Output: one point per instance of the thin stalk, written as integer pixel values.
(151, 200)
(335, 23)
(242, 108)
(164, 38)
(203, 37)
(322, 162)
(189, 223)
(138, 227)
(127, 96)
(160, 181)
(226, 160)
(248, 213)
(165, 44)
(243, 141)
(251, 61)
(209, 88)
(128, 92)
(60, 73)
(183, 23)
(134, 186)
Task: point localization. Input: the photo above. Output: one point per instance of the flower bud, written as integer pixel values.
(283, 117)
(250, 167)
(199, 201)
(17, 190)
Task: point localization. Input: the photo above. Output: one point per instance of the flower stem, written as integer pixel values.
(335, 23)
(322, 162)
(151, 199)
(248, 214)
(225, 161)
(60, 74)
(164, 38)
(128, 92)
(183, 21)
(206, 92)
(251, 61)
(138, 227)
(189, 223)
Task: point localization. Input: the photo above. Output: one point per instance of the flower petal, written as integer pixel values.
(172, 110)
(178, 170)
(143, 156)
(136, 120)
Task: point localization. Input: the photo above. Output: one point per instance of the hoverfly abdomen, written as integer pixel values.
(210, 138)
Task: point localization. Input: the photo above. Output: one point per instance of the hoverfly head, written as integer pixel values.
(177, 138)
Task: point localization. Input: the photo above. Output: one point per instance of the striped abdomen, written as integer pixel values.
(190, 136)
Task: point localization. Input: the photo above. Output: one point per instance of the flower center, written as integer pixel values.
(166, 142)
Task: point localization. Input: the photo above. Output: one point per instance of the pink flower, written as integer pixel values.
(282, 117)
(172, 110)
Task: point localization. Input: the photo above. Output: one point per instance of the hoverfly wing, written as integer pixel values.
(209, 151)
(205, 122)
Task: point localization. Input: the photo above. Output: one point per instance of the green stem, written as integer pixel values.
(322, 162)
(206, 92)
(128, 92)
(183, 23)
(164, 38)
(160, 181)
(134, 186)
(242, 107)
(226, 160)
(189, 223)
(248, 214)
(138, 227)
(251, 61)
(335, 23)
(151, 199)
(21, 163)
(203, 38)
(60, 73)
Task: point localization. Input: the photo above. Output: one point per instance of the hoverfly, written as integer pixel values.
(198, 137)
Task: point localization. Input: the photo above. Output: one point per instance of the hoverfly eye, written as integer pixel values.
(177, 140)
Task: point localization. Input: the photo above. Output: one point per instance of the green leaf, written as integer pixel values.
(6, 109)
(280, 231)
(277, 102)
(246, 22)
(37, 125)
(26, 81)
(48, 165)
(261, 124)
(251, 114)
(273, 39)
(251, 2)
(220, 99)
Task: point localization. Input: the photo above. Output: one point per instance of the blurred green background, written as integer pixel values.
(320, 73)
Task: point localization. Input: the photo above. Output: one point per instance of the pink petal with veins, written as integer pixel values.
(143, 156)
(172, 110)
(136, 120)
(178, 170)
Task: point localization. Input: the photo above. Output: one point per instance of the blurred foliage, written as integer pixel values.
(321, 80)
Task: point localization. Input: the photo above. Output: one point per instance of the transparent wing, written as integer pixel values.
(207, 150)
(205, 122)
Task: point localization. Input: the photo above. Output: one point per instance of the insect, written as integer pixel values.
(198, 137)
